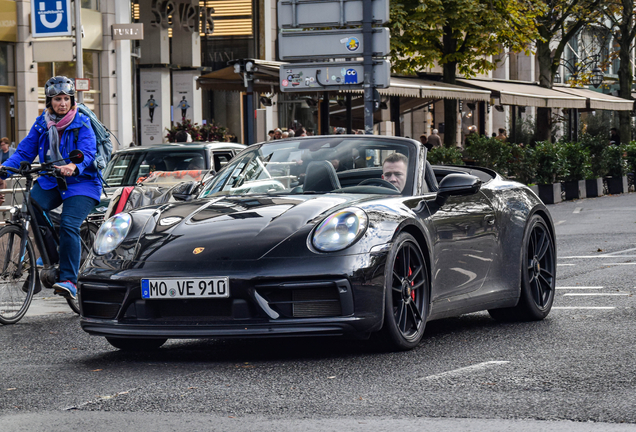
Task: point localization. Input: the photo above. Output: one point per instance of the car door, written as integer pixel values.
(465, 242)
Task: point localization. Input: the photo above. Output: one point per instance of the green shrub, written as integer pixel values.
(616, 163)
(595, 146)
(521, 164)
(576, 162)
(489, 152)
(630, 154)
(549, 163)
(445, 156)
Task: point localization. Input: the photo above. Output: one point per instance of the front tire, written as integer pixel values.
(135, 344)
(538, 275)
(16, 291)
(406, 295)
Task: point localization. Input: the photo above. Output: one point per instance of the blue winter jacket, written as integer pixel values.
(36, 143)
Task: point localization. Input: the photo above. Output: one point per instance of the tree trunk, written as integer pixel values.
(450, 107)
(546, 68)
(624, 71)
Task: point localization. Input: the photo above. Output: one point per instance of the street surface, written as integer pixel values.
(576, 370)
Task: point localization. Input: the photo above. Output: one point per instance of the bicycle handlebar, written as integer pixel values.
(44, 169)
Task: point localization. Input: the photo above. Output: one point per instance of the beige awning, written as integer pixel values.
(599, 101)
(425, 89)
(530, 94)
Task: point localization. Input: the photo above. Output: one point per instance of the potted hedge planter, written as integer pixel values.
(576, 166)
(575, 189)
(550, 166)
(617, 169)
(617, 185)
(594, 187)
(550, 193)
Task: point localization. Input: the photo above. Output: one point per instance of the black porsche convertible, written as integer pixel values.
(306, 236)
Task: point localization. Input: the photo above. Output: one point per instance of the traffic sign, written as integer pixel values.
(307, 45)
(328, 13)
(50, 18)
(304, 77)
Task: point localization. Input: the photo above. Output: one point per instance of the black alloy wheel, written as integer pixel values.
(538, 275)
(407, 293)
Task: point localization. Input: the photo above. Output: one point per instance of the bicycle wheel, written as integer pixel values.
(88, 230)
(16, 291)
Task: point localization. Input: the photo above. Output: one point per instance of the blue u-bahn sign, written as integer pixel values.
(50, 18)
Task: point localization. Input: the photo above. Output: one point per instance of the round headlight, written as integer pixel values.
(112, 233)
(340, 230)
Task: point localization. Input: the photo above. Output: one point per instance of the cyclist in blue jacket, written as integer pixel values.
(55, 133)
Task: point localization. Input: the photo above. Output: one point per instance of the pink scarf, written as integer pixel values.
(54, 138)
(62, 124)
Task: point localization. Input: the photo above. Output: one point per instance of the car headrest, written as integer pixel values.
(320, 177)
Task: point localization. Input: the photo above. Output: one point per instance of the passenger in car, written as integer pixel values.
(394, 170)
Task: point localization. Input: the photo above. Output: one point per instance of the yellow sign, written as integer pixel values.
(8, 21)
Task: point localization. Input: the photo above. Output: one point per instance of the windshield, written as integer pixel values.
(127, 168)
(323, 165)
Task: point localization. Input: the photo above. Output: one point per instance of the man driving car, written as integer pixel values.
(394, 170)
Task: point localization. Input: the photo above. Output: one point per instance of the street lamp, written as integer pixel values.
(577, 67)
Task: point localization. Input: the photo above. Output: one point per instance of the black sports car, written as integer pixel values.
(305, 237)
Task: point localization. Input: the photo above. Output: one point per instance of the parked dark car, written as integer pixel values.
(127, 166)
(303, 237)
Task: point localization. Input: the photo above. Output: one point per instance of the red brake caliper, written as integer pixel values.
(412, 284)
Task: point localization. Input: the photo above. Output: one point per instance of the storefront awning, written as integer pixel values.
(530, 94)
(599, 101)
(425, 89)
(265, 78)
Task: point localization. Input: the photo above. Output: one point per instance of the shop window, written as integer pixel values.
(6, 65)
(91, 71)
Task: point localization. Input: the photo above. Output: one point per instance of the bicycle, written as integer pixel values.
(20, 278)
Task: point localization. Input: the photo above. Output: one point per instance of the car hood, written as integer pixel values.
(231, 228)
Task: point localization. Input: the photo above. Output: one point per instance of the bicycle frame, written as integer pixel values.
(27, 217)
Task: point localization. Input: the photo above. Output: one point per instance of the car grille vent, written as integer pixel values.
(189, 310)
(311, 299)
(101, 300)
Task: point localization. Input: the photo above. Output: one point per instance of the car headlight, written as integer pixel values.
(112, 233)
(340, 230)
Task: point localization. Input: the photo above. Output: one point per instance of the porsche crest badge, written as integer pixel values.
(198, 250)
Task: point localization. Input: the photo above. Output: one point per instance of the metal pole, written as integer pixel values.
(349, 114)
(367, 38)
(79, 57)
(250, 112)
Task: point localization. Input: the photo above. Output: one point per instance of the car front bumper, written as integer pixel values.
(326, 295)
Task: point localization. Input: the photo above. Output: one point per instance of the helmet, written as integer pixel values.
(59, 85)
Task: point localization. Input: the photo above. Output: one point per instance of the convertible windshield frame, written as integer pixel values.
(280, 167)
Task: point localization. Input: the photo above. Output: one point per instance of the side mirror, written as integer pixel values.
(185, 191)
(76, 156)
(458, 184)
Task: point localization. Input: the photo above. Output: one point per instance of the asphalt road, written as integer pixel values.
(573, 371)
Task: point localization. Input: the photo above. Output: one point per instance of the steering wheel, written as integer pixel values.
(378, 182)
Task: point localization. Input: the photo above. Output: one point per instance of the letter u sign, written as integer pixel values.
(51, 18)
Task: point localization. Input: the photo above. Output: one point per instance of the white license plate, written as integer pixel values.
(175, 288)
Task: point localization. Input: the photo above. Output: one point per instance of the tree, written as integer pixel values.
(561, 22)
(459, 35)
(620, 16)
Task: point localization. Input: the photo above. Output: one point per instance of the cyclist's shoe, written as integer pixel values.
(39, 262)
(66, 289)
